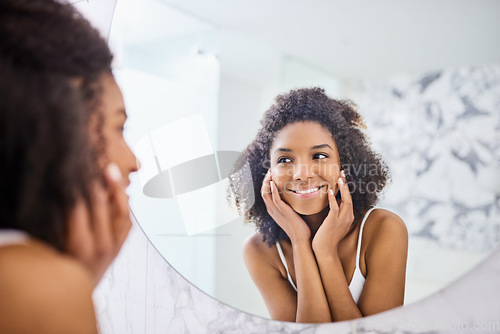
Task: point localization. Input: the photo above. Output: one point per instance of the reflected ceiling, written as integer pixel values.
(366, 38)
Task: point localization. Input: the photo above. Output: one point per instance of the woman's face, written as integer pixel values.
(114, 117)
(305, 164)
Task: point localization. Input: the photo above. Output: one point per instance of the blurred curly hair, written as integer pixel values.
(49, 39)
(344, 123)
(46, 160)
(52, 37)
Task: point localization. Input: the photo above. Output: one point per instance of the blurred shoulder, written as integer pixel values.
(50, 289)
(35, 258)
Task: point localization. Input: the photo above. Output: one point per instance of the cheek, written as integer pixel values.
(116, 150)
(330, 172)
(112, 148)
(280, 176)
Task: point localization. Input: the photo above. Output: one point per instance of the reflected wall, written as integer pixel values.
(166, 66)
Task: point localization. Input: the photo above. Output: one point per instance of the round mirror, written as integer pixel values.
(197, 76)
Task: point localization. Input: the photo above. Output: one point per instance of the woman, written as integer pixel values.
(50, 37)
(51, 199)
(65, 167)
(322, 252)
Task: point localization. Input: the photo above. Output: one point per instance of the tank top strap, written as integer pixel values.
(11, 237)
(358, 250)
(283, 260)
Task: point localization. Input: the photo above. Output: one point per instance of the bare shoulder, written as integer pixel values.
(50, 289)
(385, 224)
(385, 258)
(255, 247)
(40, 260)
(386, 233)
(260, 257)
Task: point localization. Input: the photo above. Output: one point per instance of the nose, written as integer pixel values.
(304, 171)
(134, 163)
(137, 164)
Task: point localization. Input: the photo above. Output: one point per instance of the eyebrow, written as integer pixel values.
(315, 147)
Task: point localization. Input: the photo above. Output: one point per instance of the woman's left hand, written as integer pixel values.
(337, 223)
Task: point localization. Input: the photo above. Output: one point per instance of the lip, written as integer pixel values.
(306, 193)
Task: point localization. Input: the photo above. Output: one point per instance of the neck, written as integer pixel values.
(314, 221)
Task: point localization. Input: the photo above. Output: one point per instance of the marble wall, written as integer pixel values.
(446, 160)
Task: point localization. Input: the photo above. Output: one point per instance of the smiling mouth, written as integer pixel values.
(308, 191)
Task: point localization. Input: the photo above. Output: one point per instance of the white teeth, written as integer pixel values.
(306, 191)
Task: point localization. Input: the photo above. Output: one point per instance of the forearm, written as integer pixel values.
(312, 304)
(340, 301)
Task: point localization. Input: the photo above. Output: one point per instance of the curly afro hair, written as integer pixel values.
(366, 173)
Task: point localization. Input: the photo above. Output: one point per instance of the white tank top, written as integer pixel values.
(12, 237)
(357, 281)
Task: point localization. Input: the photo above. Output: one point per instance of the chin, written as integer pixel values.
(311, 209)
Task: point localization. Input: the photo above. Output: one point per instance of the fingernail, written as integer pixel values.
(341, 181)
(331, 192)
(342, 173)
(114, 171)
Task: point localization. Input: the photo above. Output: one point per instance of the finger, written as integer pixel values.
(266, 187)
(343, 176)
(118, 201)
(278, 202)
(346, 204)
(275, 193)
(266, 193)
(101, 225)
(332, 201)
(80, 240)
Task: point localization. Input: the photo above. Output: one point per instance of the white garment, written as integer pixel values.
(357, 281)
(12, 237)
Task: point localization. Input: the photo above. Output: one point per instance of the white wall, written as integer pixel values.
(239, 115)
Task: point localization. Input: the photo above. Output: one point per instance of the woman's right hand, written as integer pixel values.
(95, 235)
(294, 226)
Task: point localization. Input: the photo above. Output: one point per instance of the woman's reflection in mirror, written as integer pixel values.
(322, 251)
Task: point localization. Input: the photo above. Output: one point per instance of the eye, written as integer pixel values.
(320, 156)
(284, 160)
